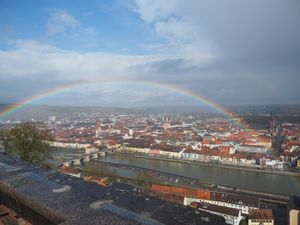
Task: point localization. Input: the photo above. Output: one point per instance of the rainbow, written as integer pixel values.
(170, 87)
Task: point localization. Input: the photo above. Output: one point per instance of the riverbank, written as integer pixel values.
(173, 179)
(277, 172)
(212, 174)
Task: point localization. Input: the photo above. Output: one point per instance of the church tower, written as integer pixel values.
(98, 129)
(271, 124)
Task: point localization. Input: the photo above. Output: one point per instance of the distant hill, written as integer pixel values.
(42, 112)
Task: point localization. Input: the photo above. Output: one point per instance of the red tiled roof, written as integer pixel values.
(261, 214)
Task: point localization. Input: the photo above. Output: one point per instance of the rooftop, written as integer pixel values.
(219, 209)
(235, 199)
(261, 214)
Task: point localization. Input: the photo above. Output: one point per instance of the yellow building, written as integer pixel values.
(294, 216)
(294, 209)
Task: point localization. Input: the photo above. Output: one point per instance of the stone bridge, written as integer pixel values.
(82, 159)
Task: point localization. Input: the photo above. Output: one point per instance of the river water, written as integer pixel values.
(256, 181)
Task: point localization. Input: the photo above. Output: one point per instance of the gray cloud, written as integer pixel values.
(263, 32)
(256, 44)
(251, 30)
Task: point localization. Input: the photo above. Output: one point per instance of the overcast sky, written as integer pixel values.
(232, 52)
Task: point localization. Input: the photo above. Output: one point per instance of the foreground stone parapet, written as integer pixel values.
(44, 196)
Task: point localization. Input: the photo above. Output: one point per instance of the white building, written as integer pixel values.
(231, 216)
(233, 201)
(73, 145)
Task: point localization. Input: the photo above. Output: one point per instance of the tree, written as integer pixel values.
(244, 222)
(144, 180)
(4, 138)
(28, 141)
(100, 171)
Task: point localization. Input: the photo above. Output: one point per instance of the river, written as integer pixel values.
(251, 180)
